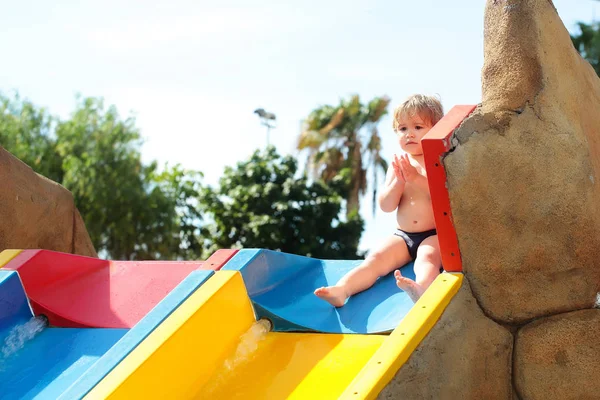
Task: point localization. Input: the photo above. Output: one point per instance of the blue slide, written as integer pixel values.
(281, 288)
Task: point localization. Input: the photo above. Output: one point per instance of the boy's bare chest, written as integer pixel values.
(414, 193)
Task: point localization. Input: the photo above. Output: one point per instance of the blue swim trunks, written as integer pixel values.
(413, 240)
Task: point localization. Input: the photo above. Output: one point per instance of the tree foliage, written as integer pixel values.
(587, 43)
(262, 204)
(343, 141)
(131, 210)
(27, 132)
(142, 211)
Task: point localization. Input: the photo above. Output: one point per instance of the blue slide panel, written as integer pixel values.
(136, 335)
(49, 360)
(14, 307)
(281, 288)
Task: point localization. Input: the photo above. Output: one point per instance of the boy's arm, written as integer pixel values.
(392, 190)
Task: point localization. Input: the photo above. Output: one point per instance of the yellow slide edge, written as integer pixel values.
(400, 344)
(7, 255)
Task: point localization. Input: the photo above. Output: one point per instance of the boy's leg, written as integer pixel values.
(427, 268)
(428, 262)
(391, 255)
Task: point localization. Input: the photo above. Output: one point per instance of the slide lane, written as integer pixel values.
(212, 346)
(281, 287)
(108, 294)
(44, 361)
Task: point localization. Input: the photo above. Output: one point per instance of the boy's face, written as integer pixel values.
(411, 130)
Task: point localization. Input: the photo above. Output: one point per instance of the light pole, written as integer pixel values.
(265, 118)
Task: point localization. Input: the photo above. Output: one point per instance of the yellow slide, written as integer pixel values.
(212, 347)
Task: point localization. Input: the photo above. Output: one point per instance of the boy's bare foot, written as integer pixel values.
(412, 288)
(335, 295)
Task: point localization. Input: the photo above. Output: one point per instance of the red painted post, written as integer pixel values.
(435, 145)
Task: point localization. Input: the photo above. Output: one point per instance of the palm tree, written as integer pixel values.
(343, 141)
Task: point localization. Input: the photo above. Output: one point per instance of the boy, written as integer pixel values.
(405, 190)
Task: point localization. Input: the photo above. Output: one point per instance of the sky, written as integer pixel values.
(192, 72)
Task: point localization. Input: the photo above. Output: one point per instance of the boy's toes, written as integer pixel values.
(321, 291)
(334, 295)
(409, 286)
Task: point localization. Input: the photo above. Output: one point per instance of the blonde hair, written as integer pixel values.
(429, 108)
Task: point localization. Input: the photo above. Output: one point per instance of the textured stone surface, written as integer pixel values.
(559, 357)
(36, 213)
(465, 356)
(524, 178)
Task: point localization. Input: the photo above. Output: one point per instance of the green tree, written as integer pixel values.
(27, 132)
(131, 210)
(343, 141)
(587, 43)
(175, 193)
(261, 204)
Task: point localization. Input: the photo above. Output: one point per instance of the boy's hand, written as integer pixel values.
(409, 172)
(398, 169)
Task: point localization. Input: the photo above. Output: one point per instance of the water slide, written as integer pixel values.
(242, 324)
(215, 334)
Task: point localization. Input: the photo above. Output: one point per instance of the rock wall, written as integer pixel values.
(559, 357)
(37, 213)
(524, 179)
(524, 185)
(465, 356)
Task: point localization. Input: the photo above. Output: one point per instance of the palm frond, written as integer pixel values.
(374, 145)
(362, 183)
(310, 139)
(378, 108)
(333, 161)
(381, 163)
(333, 123)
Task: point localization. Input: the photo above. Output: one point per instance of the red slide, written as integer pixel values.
(76, 291)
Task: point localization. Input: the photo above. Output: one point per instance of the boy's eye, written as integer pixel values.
(403, 129)
(419, 127)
